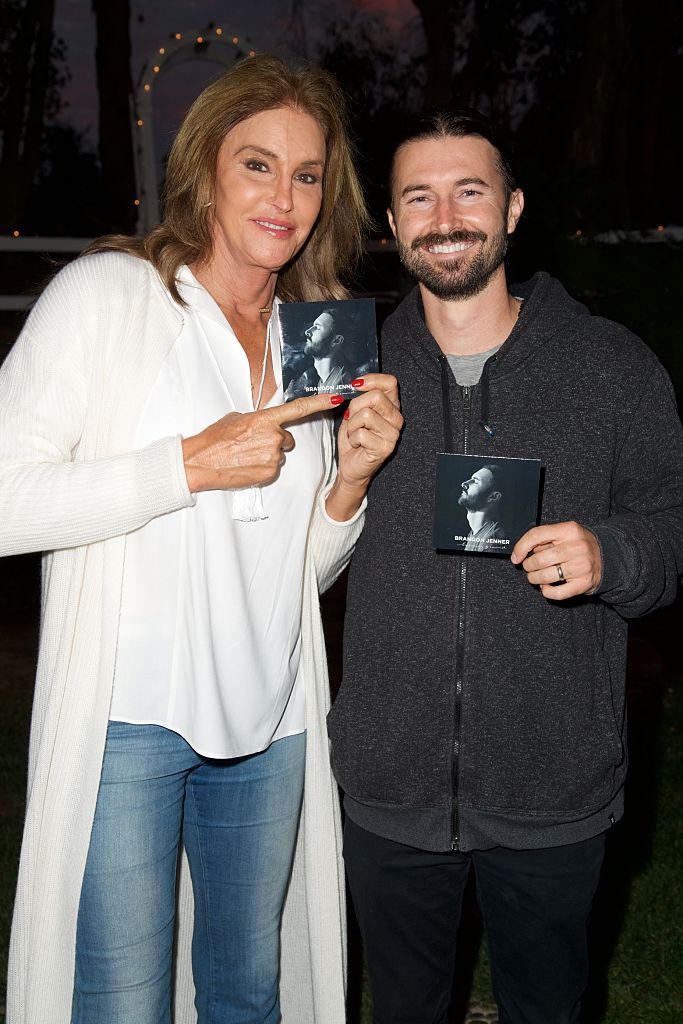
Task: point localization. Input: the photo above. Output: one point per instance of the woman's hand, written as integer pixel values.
(368, 435)
(246, 449)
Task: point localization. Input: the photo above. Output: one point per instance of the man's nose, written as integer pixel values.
(448, 215)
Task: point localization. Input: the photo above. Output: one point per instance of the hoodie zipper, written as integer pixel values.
(460, 643)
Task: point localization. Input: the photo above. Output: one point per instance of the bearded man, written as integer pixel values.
(480, 724)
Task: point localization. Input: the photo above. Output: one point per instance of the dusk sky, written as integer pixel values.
(265, 22)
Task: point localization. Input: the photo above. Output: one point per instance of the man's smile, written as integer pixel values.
(450, 247)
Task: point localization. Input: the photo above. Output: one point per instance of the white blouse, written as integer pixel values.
(209, 636)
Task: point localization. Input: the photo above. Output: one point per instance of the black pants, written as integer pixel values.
(535, 905)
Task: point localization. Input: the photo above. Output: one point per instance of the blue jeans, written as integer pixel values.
(238, 820)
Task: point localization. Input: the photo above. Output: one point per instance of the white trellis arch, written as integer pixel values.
(214, 44)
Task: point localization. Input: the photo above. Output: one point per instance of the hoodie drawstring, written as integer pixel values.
(484, 421)
(446, 401)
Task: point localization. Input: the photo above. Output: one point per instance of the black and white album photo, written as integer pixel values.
(326, 346)
(484, 504)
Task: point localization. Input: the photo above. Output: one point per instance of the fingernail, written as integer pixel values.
(358, 383)
(347, 414)
(336, 399)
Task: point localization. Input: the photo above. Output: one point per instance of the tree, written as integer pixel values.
(620, 95)
(114, 84)
(382, 85)
(439, 18)
(31, 62)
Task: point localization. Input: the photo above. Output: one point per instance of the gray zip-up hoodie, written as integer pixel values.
(473, 712)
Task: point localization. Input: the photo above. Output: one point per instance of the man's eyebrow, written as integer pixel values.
(414, 188)
(274, 156)
(457, 184)
(472, 181)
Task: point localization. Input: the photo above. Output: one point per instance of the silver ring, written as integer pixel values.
(560, 573)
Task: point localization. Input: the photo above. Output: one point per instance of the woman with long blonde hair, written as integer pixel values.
(189, 520)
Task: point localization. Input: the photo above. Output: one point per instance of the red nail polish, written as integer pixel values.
(336, 399)
(358, 383)
(347, 414)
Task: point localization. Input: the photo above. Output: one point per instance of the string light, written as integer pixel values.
(660, 227)
(578, 233)
(180, 45)
(200, 40)
(16, 234)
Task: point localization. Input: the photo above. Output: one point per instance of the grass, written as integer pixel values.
(637, 926)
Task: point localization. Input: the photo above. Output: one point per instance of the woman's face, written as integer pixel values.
(268, 188)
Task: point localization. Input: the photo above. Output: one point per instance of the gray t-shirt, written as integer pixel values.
(467, 369)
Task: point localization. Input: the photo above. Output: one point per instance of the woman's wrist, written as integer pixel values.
(344, 499)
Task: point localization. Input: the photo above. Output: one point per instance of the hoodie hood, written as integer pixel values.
(547, 310)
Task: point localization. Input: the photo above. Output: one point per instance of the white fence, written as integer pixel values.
(47, 245)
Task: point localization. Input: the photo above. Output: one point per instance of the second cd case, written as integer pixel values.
(484, 504)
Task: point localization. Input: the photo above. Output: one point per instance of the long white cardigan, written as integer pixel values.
(71, 392)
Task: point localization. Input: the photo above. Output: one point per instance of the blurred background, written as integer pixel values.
(590, 93)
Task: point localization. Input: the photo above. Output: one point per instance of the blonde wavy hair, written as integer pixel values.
(255, 84)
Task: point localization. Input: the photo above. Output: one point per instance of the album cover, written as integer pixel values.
(326, 345)
(484, 504)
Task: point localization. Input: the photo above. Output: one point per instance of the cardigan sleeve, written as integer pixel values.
(331, 543)
(50, 496)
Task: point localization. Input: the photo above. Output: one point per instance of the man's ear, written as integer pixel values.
(337, 340)
(494, 496)
(515, 207)
(392, 223)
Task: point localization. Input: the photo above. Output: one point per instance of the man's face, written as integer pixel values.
(478, 491)
(450, 217)
(321, 338)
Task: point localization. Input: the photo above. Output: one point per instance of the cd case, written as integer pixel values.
(326, 345)
(484, 504)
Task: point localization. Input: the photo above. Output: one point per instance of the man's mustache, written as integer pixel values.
(453, 237)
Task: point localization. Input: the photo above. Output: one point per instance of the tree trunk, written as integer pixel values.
(599, 77)
(438, 20)
(25, 108)
(622, 77)
(654, 45)
(114, 85)
(473, 82)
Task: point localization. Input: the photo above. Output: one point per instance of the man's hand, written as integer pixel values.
(246, 449)
(563, 559)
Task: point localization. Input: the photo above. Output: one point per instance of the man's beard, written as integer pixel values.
(466, 502)
(317, 349)
(461, 277)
